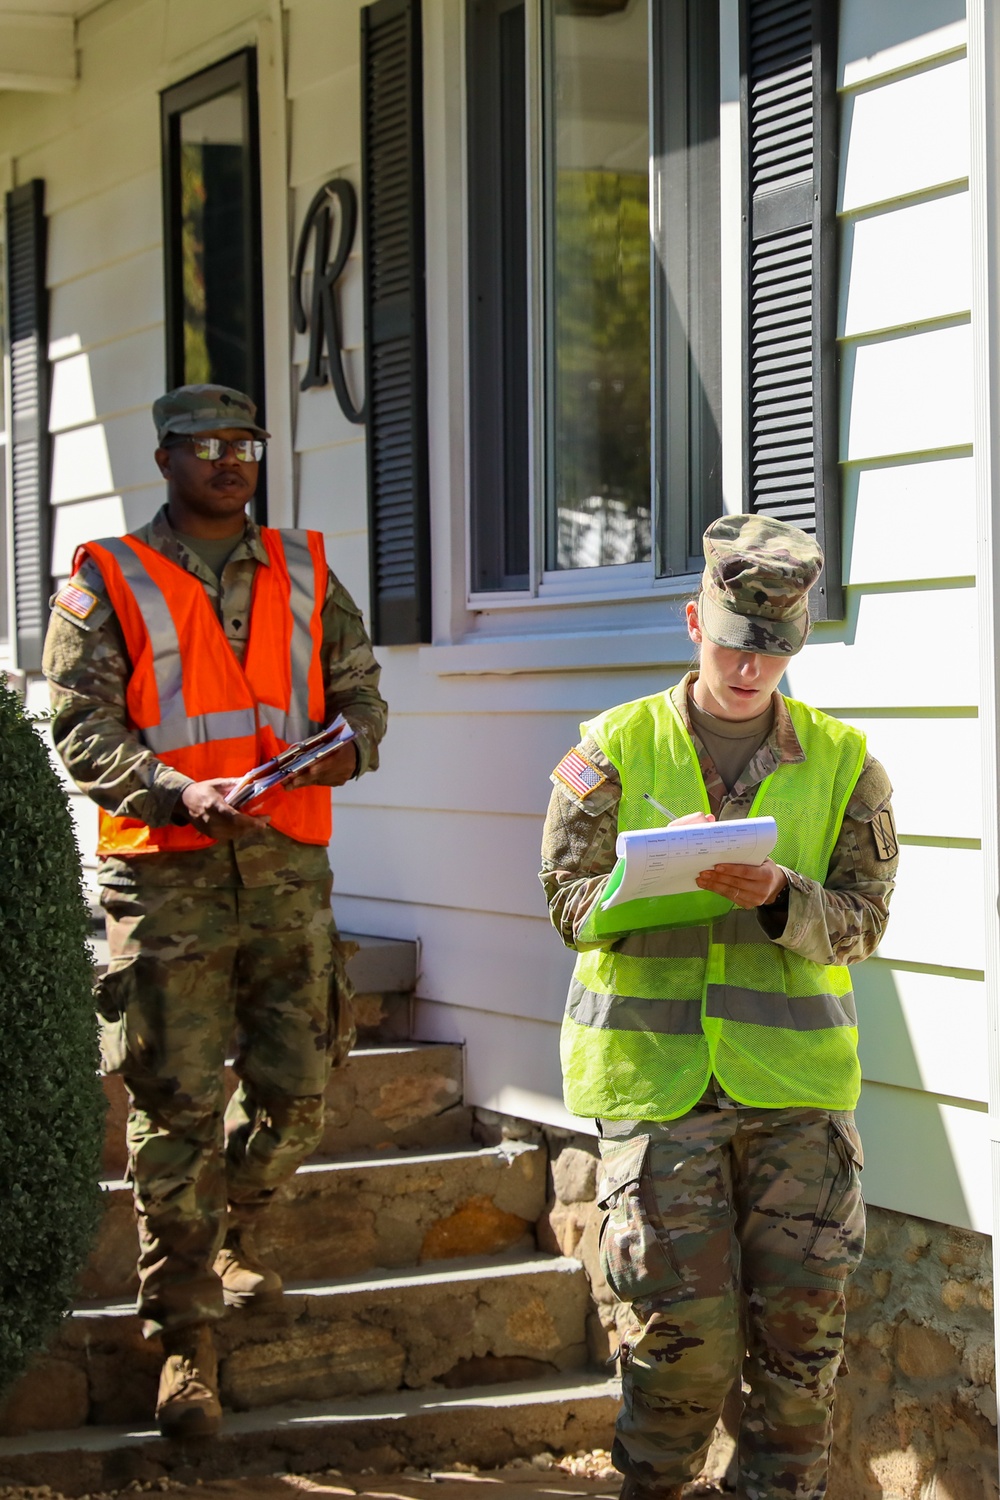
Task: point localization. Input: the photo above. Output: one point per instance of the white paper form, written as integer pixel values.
(666, 861)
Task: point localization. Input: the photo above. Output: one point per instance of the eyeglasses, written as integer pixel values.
(246, 450)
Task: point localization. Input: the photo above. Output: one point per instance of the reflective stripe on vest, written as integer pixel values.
(649, 1020)
(299, 562)
(683, 1017)
(194, 704)
(176, 727)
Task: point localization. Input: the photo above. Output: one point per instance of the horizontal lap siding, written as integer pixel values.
(490, 962)
(98, 150)
(909, 561)
(443, 844)
(324, 91)
(926, 1155)
(903, 1040)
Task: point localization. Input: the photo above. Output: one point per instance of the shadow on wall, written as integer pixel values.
(84, 504)
(928, 1153)
(867, 31)
(104, 479)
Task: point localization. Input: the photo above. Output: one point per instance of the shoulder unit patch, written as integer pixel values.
(884, 831)
(76, 601)
(576, 772)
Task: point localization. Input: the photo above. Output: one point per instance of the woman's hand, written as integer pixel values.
(748, 886)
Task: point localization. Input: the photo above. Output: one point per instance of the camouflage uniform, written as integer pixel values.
(731, 1231)
(237, 937)
(733, 1246)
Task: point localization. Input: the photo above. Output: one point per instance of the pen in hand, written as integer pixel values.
(660, 807)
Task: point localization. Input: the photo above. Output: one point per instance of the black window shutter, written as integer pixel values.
(392, 176)
(28, 320)
(790, 123)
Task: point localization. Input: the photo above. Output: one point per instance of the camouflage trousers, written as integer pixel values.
(731, 1232)
(196, 976)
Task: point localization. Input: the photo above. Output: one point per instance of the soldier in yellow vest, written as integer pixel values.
(720, 1059)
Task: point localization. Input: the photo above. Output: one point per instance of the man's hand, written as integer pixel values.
(332, 770)
(748, 886)
(208, 811)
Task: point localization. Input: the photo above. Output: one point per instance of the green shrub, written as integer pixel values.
(51, 1103)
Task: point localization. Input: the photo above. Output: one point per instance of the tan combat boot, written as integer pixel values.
(244, 1276)
(187, 1404)
(634, 1489)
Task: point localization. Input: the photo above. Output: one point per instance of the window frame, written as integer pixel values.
(672, 564)
(6, 477)
(238, 70)
(501, 452)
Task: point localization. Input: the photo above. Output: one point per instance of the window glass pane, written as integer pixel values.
(498, 281)
(214, 269)
(599, 267)
(4, 629)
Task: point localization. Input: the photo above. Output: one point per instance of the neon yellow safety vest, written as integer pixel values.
(649, 1021)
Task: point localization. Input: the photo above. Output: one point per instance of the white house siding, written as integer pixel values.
(98, 150)
(908, 673)
(323, 82)
(442, 846)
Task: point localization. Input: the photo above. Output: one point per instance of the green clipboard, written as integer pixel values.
(651, 913)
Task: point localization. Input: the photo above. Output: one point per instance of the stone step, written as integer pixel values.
(384, 1098)
(346, 1217)
(485, 1425)
(383, 973)
(445, 1324)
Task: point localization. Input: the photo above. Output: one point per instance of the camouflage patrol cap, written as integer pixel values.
(754, 590)
(192, 409)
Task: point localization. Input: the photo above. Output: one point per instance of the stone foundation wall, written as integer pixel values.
(916, 1415)
(917, 1411)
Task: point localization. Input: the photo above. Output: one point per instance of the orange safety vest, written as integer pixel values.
(190, 700)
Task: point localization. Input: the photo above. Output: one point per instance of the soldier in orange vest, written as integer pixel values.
(179, 657)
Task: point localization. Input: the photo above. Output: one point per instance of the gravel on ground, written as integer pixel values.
(581, 1476)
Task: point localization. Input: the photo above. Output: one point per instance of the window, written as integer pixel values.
(28, 445)
(212, 228)
(4, 521)
(598, 285)
(594, 256)
(499, 387)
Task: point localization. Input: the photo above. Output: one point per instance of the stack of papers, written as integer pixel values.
(667, 861)
(298, 757)
(653, 887)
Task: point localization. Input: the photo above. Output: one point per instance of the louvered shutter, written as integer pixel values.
(395, 328)
(789, 107)
(27, 314)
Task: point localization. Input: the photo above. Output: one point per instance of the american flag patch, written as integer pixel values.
(77, 601)
(576, 772)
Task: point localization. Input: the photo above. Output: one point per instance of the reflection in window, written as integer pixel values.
(599, 282)
(4, 439)
(213, 232)
(213, 275)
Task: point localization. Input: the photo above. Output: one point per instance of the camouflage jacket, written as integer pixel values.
(88, 669)
(839, 922)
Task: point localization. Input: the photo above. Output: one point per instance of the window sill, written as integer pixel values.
(570, 591)
(590, 651)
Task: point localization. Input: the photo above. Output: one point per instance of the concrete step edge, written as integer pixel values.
(471, 1269)
(381, 965)
(397, 1406)
(509, 1150)
(387, 1049)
